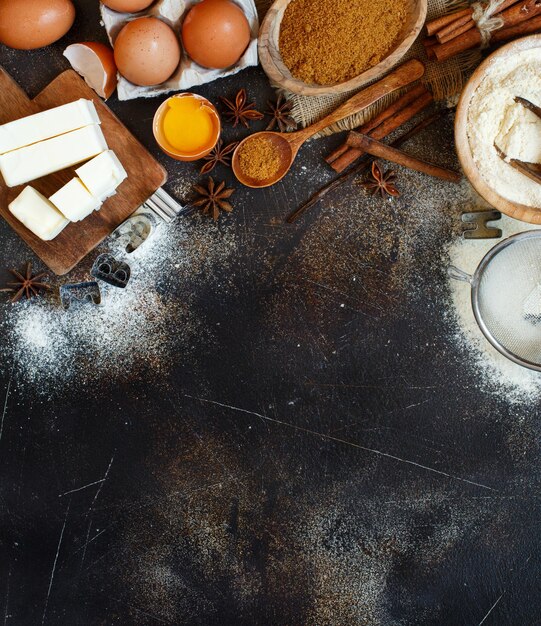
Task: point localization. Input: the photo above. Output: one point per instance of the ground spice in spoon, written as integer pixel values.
(259, 159)
(327, 42)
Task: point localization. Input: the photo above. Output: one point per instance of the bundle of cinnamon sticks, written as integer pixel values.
(413, 101)
(457, 32)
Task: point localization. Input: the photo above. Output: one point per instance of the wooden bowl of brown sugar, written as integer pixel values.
(318, 47)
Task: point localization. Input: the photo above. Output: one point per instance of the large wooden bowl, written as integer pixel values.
(512, 209)
(278, 73)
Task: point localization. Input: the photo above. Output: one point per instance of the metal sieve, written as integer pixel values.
(506, 297)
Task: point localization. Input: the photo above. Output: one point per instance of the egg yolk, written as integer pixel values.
(188, 125)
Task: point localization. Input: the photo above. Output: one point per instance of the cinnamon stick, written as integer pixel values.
(514, 16)
(448, 31)
(383, 151)
(441, 22)
(363, 166)
(526, 28)
(397, 105)
(384, 129)
(462, 25)
(456, 32)
(429, 49)
(505, 5)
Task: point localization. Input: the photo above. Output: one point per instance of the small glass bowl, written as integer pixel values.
(174, 152)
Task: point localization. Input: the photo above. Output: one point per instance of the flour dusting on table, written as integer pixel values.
(134, 329)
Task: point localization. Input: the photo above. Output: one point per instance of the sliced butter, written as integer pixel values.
(75, 201)
(40, 159)
(102, 175)
(38, 214)
(47, 124)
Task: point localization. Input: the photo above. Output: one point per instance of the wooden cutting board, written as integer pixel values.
(145, 174)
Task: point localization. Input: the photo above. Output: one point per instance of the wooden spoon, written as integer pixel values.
(288, 144)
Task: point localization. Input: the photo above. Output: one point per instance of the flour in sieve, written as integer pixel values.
(499, 375)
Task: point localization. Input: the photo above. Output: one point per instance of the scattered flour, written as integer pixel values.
(134, 329)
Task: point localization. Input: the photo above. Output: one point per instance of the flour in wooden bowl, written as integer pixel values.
(495, 117)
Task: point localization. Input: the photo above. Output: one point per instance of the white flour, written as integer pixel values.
(135, 329)
(499, 375)
(495, 117)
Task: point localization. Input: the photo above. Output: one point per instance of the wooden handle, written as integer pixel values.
(404, 75)
(382, 151)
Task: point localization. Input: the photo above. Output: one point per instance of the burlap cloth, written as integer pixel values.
(445, 80)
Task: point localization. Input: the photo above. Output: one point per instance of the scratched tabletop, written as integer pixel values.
(282, 431)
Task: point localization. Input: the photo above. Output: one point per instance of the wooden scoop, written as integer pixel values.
(288, 144)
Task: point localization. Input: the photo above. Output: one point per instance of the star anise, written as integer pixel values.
(220, 154)
(239, 111)
(381, 182)
(213, 198)
(26, 284)
(280, 113)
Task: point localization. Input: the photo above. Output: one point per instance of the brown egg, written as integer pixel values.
(147, 51)
(127, 6)
(215, 33)
(34, 23)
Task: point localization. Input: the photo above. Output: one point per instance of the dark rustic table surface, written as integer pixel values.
(301, 442)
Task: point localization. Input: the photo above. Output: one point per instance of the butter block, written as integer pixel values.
(38, 214)
(102, 175)
(47, 124)
(43, 158)
(75, 201)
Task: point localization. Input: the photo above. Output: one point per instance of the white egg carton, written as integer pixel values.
(188, 74)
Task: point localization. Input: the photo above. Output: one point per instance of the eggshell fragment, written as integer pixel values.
(34, 23)
(95, 62)
(147, 51)
(215, 33)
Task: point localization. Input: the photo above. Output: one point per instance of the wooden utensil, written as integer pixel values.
(279, 74)
(145, 174)
(531, 170)
(512, 209)
(288, 144)
(377, 149)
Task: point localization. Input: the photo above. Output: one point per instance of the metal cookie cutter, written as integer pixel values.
(160, 207)
(111, 271)
(80, 293)
(478, 221)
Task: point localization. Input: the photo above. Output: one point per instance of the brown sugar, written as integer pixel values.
(259, 158)
(330, 41)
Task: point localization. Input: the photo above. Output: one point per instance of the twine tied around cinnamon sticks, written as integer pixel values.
(481, 25)
(486, 21)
